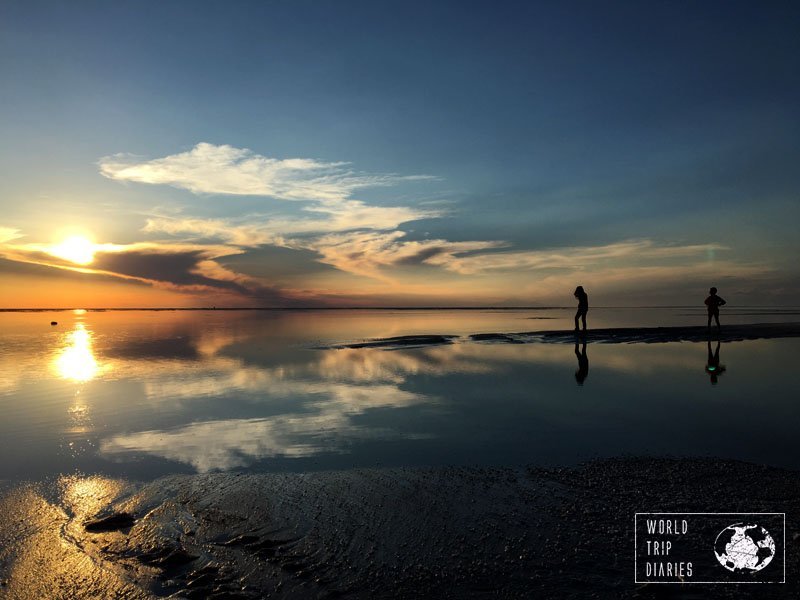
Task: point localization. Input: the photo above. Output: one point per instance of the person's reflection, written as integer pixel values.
(583, 362)
(713, 368)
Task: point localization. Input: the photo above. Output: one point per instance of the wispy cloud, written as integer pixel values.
(371, 253)
(324, 189)
(257, 230)
(573, 258)
(9, 233)
(376, 253)
(225, 230)
(382, 254)
(211, 169)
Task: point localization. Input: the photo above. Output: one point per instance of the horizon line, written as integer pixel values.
(288, 308)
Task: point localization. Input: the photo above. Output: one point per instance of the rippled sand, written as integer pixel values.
(377, 533)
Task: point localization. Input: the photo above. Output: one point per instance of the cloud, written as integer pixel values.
(375, 253)
(180, 267)
(370, 253)
(211, 169)
(572, 258)
(249, 235)
(384, 254)
(354, 214)
(256, 230)
(8, 233)
(325, 188)
(176, 267)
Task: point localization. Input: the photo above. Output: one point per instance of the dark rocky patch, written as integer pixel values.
(113, 522)
(495, 337)
(402, 341)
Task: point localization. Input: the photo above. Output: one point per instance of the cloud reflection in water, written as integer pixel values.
(327, 393)
(230, 443)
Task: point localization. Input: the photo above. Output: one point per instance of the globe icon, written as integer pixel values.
(744, 548)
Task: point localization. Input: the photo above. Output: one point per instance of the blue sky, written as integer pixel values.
(496, 152)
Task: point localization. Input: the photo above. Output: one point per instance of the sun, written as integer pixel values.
(76, 249)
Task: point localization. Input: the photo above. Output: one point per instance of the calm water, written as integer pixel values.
(142, 394)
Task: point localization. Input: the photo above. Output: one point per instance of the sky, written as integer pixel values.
(383, 153)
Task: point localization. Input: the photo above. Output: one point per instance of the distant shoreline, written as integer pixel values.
(771, 309)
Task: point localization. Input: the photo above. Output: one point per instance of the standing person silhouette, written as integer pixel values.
(713, 302)
(583, 306)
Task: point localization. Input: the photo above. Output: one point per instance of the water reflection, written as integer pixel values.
(713, 366)
(150, 393)
(76, 361)
(329, 426)
(324, 398)
(79, 415)
(317, 402)
(583, 362)
(322, 373)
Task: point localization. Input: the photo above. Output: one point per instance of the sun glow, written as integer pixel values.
(76, 361)
(76, 249)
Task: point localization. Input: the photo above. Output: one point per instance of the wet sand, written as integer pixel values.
(617, 335)
(651, 335)
(376, 533)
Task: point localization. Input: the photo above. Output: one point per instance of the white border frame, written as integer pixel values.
(635, 546)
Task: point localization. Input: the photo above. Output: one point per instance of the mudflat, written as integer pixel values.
(366, 533)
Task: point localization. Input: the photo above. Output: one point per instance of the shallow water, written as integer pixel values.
(144, 393)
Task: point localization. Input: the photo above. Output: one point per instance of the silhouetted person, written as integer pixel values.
(583, 363)
(713, 368)
(583, 306)
(713, 302)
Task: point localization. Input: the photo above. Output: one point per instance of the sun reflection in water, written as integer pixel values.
(86, 496)
(76, 361)
(80, 422)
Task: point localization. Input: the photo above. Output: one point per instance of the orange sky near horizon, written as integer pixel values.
(42, 292)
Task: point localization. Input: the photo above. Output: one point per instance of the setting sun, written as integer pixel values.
(75, 249)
